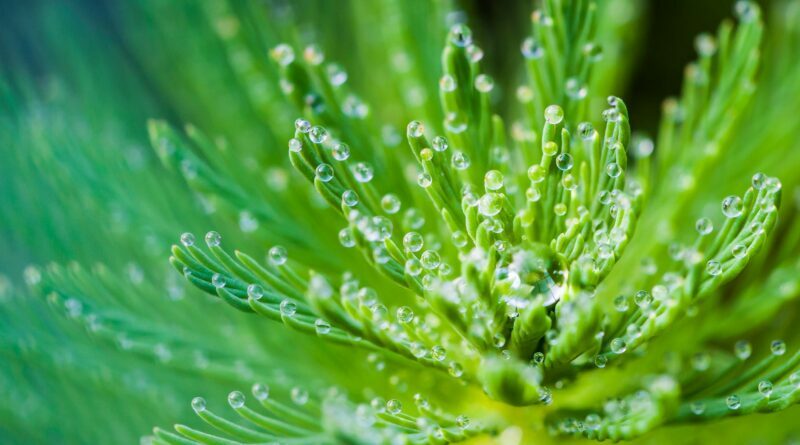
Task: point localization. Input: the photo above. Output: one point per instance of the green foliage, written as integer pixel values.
(515, 262)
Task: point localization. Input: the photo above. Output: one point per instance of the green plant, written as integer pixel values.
(505, 268)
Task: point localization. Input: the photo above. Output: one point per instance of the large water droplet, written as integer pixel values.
(393, 406)
(777, 347)
(277, 255)
(187, 239)
(236, 399)
(493, 180)
(484, 83)
(341, 151)
(213, 239)
(490, 204)
(553, 114)
(322, 326)
(299, 396)
(732, 206)
(733, 402)
(198, 404)
(618, 346)
(460, 35)
(260, 391)
(405, 314)
(713, 268)
(288, 308)
(324, 172)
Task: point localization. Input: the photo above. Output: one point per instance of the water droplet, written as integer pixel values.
(538, 358)
(564, 161)
(765, 388)
(413, 267)
(277, 256)
(302, 125)
(255, 292)
(460, 161)
(585, 131)
(705, 45)
(536, 173)
(390, 203)
(283, 54)
(418, 350)
(490, 204)
(462, 421)
(574, 89)
(642, 299)
(416, 129)
(299, 396)
(794, 379)
(295, 145)
(318, 134)
(393, 406)
(363, 172)
(430, 259)
(745, 11)
(713, 268)
(336, 75)
(600, 361)
(447, 83)
(704, 226)
(777, 347)
(440, 143)
(288, 308)
(218, 281)
(187, 239)
(732, 206)
(549, 148)
(438, 353)
(459, 238)
(461, 35)
(553, 114)
(349, 198)
(322, 326)
(733, 402)
(613, 169)
(569, 182)
(618, 346)
(424, 180)
(701, 361)
(493, 180)
(560, 209)
(213, 239)
(341, 151)
(313, 55)
(742, 349)
(198, 404)
(236, 399)
(413, 241)
(739, 250)
(611, 115)
(260, 391)
(531, 49)
(455, 369)
(621, 303)
(759, 180)
(405, 314)
(484, 83)
(474, 53)
(698, 408)
(346, 237)
(324, 172)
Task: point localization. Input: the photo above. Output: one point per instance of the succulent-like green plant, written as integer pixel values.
(442, 256)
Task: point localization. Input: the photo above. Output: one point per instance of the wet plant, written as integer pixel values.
(409, 251)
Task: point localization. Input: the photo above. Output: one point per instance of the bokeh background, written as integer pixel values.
(85, 200)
